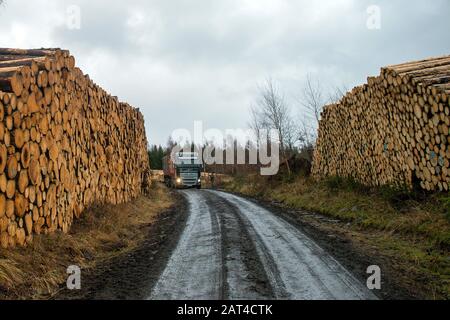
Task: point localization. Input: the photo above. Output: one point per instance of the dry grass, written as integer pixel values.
(37, 271)
(414, 234)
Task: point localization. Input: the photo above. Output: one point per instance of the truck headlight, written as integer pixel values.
(178, 180)
(199, 180)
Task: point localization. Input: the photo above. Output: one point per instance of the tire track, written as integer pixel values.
(304, 269)
(234, 249)
(194, 270)
(245, 276)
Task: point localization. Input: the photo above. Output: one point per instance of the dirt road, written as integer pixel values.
(232, 248)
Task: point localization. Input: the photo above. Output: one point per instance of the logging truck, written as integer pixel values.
(182, 170)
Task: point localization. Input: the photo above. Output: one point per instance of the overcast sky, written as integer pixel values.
(180, 60)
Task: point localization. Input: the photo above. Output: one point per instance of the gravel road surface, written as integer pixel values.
(232, 248)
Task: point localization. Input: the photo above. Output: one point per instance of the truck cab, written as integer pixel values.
(183, 170)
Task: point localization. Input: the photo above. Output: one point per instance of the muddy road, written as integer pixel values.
(232, 248)
(215, 245)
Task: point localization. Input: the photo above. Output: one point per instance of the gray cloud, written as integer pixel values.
(180, 61)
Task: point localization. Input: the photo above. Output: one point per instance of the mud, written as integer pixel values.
(337, 239)
(132, 276)
(215, 245)
(234, 249)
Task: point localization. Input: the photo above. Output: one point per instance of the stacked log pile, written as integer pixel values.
(394, 130)
(65, 144)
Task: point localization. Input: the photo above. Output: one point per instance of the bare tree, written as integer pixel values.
(170, 145)
(256, 124)
(312, 98)
(337, 93)
(271, 112)
(291, 134)
(306, 133)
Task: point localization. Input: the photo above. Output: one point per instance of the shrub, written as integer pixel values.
(334, 182)
(347, 184)
(446, 201)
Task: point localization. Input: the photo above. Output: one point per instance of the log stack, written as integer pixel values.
(65, 144)
(394, 130)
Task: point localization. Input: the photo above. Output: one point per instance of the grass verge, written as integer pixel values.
(37, 271)
(410, 230)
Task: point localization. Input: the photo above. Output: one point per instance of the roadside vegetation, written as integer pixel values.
(104, 232)
(410, 229)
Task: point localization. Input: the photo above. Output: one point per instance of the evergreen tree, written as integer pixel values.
(156, 154)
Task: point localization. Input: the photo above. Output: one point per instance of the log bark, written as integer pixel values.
(65, 144)
(391, 131)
